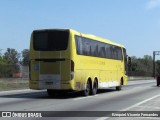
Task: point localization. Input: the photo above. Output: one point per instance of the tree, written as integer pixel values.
(1, 58)
(25, 57)
(11, 56)
(148, 62)
(2, 61)
(8, 63)
(142, 66)
(134, 64)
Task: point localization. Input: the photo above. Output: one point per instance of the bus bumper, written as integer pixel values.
(39, 85)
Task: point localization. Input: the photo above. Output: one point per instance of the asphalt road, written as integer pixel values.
(141, 95)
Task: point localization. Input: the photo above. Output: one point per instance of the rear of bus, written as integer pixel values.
(51, 66)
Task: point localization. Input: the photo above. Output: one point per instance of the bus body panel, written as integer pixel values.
(109, 73)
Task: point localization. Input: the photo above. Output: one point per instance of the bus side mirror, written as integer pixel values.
(129, 63)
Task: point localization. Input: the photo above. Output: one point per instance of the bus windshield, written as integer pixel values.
(54, 40)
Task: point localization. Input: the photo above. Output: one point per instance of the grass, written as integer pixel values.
(13, 84)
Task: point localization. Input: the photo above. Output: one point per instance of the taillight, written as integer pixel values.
(72, 69)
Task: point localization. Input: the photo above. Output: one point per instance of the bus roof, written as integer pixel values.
(85, 35)
(96, 38)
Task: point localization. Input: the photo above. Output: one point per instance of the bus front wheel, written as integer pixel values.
(118, 88)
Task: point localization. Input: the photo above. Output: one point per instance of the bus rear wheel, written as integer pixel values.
(87, 90)
(95, 87)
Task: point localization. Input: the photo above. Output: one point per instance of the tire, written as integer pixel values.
(157, 83)
(118, 88)
(95, 87)
(87, 91)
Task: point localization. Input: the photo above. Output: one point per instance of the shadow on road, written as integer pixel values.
(44, 95)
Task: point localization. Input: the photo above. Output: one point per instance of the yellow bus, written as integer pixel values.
(67, 60)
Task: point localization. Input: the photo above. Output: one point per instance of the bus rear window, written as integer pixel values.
(52, 40)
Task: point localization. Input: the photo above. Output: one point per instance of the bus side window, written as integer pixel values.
(102, 51)
(107, 51)
(111, 52)
(79, 46)
(94, 48)
(88, 47)
(120, 57)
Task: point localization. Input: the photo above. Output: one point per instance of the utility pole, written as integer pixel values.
(154, 65)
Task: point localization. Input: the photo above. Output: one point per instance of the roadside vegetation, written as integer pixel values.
(11, 64)
(143, 66)
(13, 84)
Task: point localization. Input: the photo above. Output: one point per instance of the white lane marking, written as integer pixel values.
(149, 118)
(102, 118)
(11, 92)
(15, 91)
(140, 103)
(146, 107)
(135, 105)
(84, 97)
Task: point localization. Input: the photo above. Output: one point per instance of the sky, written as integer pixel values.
(132, 23)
